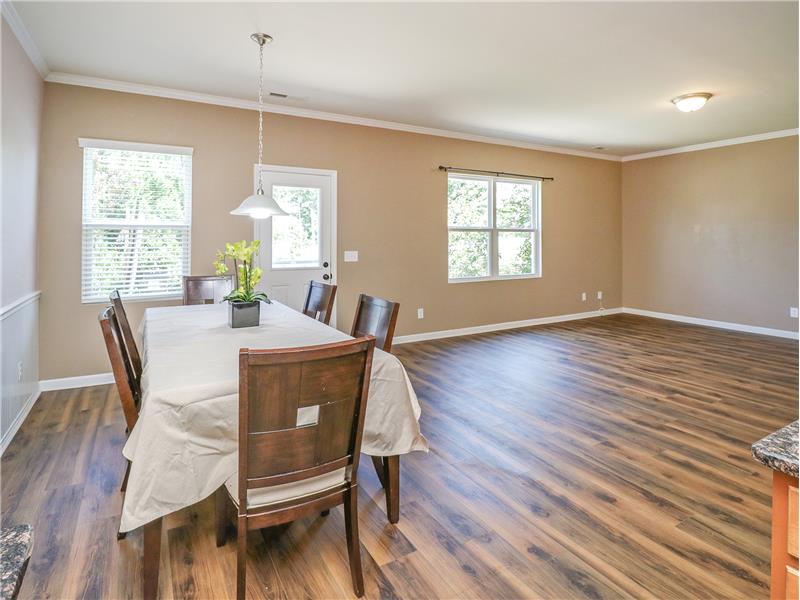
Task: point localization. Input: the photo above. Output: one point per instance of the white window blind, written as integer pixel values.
(137, 218)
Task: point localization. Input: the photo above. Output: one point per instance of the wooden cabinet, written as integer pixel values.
(791, 545)
(791, 583)
(784, 576)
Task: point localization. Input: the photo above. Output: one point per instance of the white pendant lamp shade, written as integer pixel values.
(259, 206)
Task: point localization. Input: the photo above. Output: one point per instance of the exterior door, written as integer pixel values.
(297, 248)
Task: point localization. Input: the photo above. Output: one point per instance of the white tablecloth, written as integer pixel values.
(184, 445)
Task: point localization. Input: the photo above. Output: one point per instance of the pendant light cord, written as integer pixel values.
(260, 112)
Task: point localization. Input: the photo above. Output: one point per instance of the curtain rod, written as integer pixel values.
(495, 173)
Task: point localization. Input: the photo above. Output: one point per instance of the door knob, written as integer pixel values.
(325, 264)
(326, 277)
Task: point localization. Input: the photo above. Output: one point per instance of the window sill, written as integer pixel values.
(494, 278)
(136, 299)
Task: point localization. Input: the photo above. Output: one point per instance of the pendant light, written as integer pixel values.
(260, 205)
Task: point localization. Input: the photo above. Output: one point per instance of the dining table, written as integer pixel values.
(185, 442)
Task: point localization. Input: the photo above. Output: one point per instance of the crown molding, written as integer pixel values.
(174, 94)
(759, 137)
(14, 21)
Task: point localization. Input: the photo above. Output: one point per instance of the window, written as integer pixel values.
(295, 238)
(494, 228)
(137, 217)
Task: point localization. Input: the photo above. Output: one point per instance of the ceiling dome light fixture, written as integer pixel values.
(691, 102)
(259, 205)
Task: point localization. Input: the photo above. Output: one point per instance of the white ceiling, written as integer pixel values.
(575, 75)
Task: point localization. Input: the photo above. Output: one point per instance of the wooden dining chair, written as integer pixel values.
(377, 317)
(290, 468)
(130, 352)
(206, 289)
(319, 301)
(123, 378)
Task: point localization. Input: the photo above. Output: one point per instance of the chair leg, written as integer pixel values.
(151, 552)
(353, 544)
(124, 485)
(241, 557)
(221, 510)
(392, 488)
(380, 469)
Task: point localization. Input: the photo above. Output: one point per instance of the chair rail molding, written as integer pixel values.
(18, 304)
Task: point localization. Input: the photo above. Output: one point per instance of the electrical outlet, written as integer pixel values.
(793, 312)
(351, 256)
(420, 313)
(599, 295)
(583, 296)
(19, 372)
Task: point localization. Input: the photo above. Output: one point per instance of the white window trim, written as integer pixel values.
(494, 270)
(95, 143)
(134, 146)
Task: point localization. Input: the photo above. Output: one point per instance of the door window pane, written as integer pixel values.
(295, 238)
(468, 254)
(515, 252)
(467, 202)
(514, 203)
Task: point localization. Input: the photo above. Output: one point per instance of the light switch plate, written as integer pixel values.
(351, 256)
(793, 312)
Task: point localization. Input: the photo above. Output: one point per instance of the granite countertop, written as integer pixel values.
(15, 550)
(779, 450)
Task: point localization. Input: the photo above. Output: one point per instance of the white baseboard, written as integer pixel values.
(436, 335)
(784, 333)
(18, 421)
(107, 378)
(67, 383)
(446, 333)
(48, 385)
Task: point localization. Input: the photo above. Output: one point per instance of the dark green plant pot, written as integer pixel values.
(244, 314)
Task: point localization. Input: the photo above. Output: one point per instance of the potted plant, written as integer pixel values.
(244, 300)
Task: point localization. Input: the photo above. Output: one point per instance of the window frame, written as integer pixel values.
(494, 230)
(87, 225)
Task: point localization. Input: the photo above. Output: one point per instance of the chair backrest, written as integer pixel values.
(378, 317)
(319, 301)
(274, 384)
(129, 349)
(206, 289)
(112, 336)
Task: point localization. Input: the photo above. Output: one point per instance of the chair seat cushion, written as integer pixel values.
(286, 491)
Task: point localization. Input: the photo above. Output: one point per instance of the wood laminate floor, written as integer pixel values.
(605, 458)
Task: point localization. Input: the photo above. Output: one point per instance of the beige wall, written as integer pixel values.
(22, 91)
(391, 208)
(713, 234)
